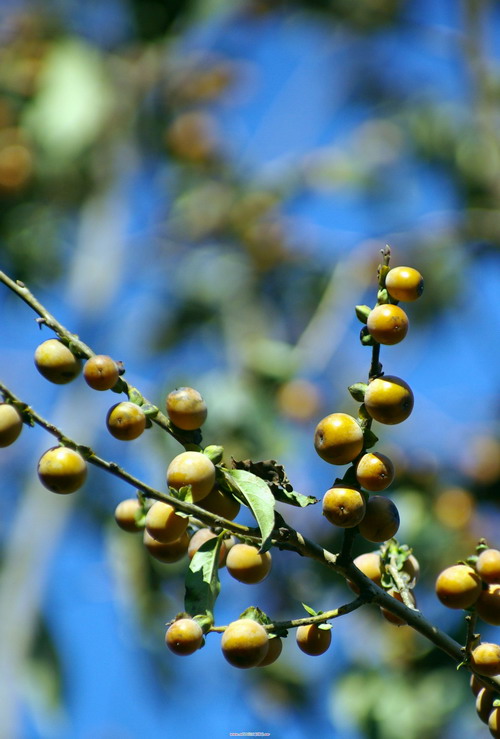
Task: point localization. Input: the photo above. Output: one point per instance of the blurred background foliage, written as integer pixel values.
(202, 190)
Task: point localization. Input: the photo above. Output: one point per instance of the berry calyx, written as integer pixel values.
(62, 470)
(126, 421)
(344, 506)
(101, 372)
(312, 640)
(11, 424)
(245, 643)
(389, 399)
(192, 468)
(186, 408)
(56, 362)
(404, 283)
(338, 438)
(247, 565)
(184, 637)
(387, 324)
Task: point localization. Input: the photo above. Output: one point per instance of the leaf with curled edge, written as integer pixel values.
(260, 500)
(275, 476)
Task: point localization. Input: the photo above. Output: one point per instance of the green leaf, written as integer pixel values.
(325, 627)
(292, 497)
(370, 439)
(214, 453)
(362, 312)
(261, 501)
(310, 610)
(275, 476)
(202, 579)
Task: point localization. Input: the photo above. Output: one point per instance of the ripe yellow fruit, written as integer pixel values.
(312, 640)
(203, 535)
(404, 283)
(186, 408)
(381, 519)
(389, 399)
(125, 515)
(56, 362)
(387, 324)
(374, 472)
(11, 424)
(484, 703)
(164, 524)
(275, 648)
(370, 565)
(488, 566)
(344, 506)
(168, 553)
(101, 372)
(192, 468)
(220, 504)
(488, 605)
(338, 438)
(485, 659)
(245, 643)
(458, 586)
(126, 421)
(476, 684)
(494, 723)
(62, 470)
(184, 637)
(245, 564)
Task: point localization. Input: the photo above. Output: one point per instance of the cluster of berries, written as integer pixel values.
(342, 439)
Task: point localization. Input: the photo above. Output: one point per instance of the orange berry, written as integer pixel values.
(338, 438)
(488, 605)
(220, 504)
(168, 553)
(485, 659)
(100, 372)
(275, 648)
(484, 703)
(494, 723)
(391, 617)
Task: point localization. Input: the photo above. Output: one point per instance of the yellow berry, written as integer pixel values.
(389, 399)
(344, 506)
(220, 504)
(126, 421)
(404, 283)
(374, 472)
(312, 640)
(184, 637)
(186, 408)
(192, 468)
(488, 566)
(488, 605)
(11, 424)
(387, 324)
(56, 362)
(275, 646)
(338, 438)
(458, 586)
(164, 524)
(247, 565)
(168, 553)
(126, 514)
(245, 643)
(484, 703)
(485, 659)
(62, 470)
